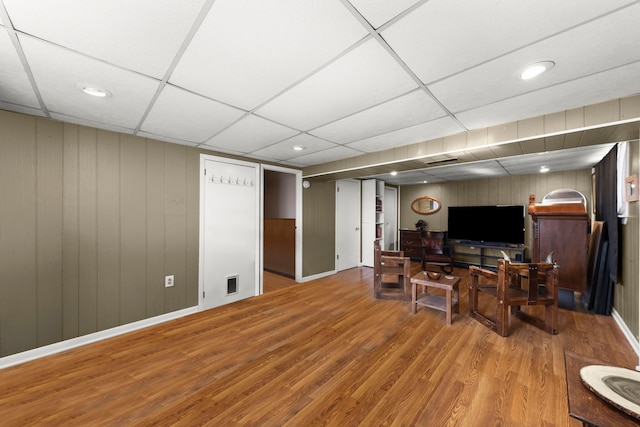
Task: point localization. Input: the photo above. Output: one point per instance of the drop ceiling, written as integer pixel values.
(337, 78)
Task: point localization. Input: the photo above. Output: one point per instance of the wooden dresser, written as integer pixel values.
(411, 243)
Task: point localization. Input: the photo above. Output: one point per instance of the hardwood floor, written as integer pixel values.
(319, 353)
(275, 282)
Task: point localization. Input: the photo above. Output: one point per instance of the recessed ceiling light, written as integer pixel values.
(298, 148)
(536, 69)
(544, 169)
(94, 90)
(394, 173)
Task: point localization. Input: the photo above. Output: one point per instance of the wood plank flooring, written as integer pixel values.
(318, 353)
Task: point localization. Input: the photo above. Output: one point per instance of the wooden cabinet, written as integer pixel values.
(567, 235)
(411, 243)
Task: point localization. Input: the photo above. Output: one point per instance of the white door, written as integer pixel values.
(229, 233)
(347, 224)
(391, 218)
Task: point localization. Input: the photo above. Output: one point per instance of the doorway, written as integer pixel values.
(391, 218)
(281, 236)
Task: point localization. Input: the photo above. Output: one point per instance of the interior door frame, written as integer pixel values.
(298, 219)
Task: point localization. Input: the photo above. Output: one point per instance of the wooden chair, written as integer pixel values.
(512, 286)
(436, 252)
(391, 274)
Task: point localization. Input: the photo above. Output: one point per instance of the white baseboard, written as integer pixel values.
(318, 276)
(47, 350)
(627, 333)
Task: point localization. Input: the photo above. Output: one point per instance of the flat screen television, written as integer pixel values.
(487, 224)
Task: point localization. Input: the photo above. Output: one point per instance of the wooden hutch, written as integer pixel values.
(562, 228)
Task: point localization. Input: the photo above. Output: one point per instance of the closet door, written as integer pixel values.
(229, 246)
(347, 224)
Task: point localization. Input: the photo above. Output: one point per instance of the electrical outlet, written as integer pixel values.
(168, 281)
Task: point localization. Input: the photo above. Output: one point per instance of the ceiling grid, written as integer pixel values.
(336, 79)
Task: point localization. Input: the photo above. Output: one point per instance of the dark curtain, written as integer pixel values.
(603, 285)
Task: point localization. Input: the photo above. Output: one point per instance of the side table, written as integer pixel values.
(447, 303)
(585, 405)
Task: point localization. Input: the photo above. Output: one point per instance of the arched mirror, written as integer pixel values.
(426, 205)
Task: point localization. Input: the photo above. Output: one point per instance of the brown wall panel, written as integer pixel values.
(49, 231)
(155, 234)
(175, 225)
(18, 327)
(280, 246)
(87, 231)
(193, 227)
(627, 293)
(108, 217)
(133, 236)
(90, 223)
(319, 225)
(70, 227)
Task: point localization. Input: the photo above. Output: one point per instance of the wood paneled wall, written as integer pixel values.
(627, 292)
(279, 255)
(90, 223)
(319, 228)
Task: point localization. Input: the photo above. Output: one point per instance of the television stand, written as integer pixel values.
(486, 254)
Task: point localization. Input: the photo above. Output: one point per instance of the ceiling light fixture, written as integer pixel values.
(94, 90)
(298, 148)
(544, 169)
(536, 69)
(394, 173)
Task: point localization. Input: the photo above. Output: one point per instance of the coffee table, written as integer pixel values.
(445, 303)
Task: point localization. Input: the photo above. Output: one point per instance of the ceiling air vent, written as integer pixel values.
(440, 162)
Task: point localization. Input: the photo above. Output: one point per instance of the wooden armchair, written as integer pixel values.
(516, 285)
(391, 274)
(436, 252)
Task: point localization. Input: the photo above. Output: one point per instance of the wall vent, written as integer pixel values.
(232, 284)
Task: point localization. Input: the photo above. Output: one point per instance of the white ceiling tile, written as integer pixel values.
(250, 134)
(336, 153)
(569, 159)
(57, 84)
(418, 133)
(246, 52)
(284, 150)
(377, 12)
(572, 51)
(589, 90)
(363, 77)
(470, 170)
(15, 87)
(186, 116)
(402, 112)
(435, 41)
(141, 35)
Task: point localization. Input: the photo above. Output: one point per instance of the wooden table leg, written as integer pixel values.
(456, 294)
(448, 306)
(413, 297)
